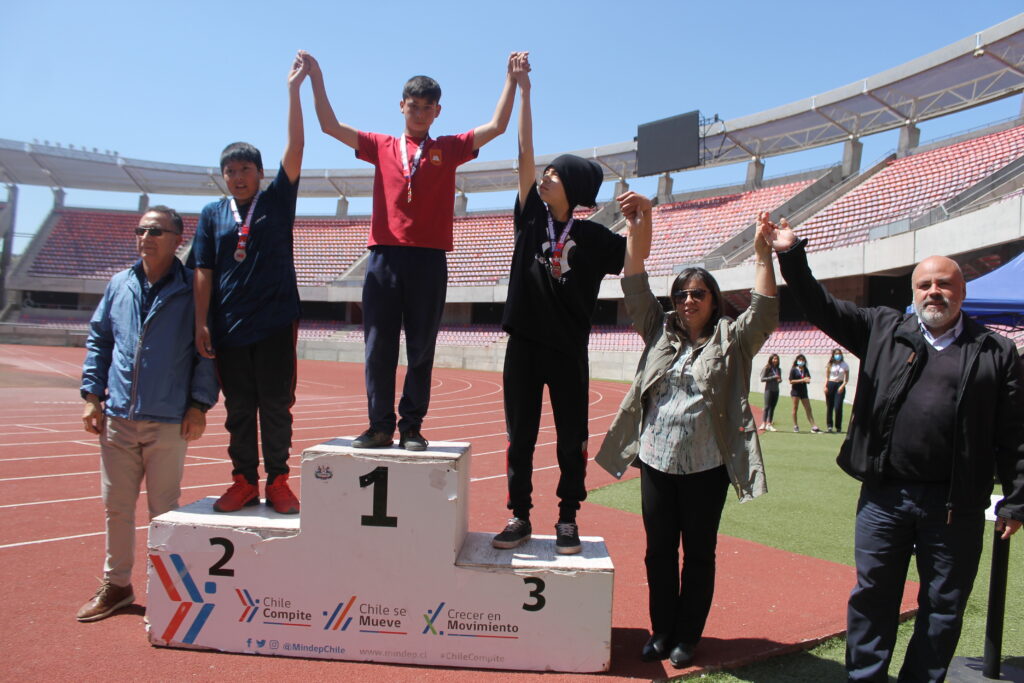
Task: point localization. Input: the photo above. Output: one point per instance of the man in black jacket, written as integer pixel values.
(939, 408)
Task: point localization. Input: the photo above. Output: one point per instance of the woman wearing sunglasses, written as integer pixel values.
(687, 424)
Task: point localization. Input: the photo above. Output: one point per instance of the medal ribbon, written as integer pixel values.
(243, 226)
(557, 247)
(411, 171)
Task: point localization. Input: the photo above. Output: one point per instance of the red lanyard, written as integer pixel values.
(557, 247)
(243, 226)
(410, 172)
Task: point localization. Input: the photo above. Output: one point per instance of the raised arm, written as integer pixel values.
(292, 158)
(324, 112)
(764, 237)
(503, 111)
(637, 210)
(527, 166)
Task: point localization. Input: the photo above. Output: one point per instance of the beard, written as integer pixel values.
(934, 318)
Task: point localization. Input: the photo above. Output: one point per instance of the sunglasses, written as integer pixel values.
(155, 232)
(679, 296)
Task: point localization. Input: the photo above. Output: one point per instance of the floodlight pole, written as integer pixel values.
(7, 231)
(996, 606)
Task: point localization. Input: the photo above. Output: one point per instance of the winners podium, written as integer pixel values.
(380, 567)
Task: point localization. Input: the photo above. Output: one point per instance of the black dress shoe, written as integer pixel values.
(682, 655)
(656, 648)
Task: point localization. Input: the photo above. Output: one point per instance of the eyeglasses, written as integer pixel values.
(155, 232)
(679, 296)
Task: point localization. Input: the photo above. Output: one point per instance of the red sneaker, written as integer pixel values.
(280, 496)
(239, 495)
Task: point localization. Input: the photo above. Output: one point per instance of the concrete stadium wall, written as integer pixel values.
(13, 333)
(607, 365)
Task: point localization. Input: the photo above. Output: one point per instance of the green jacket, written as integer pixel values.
(722, 372)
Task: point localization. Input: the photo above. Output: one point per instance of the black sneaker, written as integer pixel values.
(412, 440)
(516, 532)
(567, 538)
(371, 438)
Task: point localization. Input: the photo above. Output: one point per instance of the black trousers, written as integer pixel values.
(897, 521)
(528, 368)
(771, 399)
(834, 404)
(405, 287)
(686, 506)
(258, 381)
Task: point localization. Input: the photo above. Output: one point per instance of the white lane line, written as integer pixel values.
(140, 528)
(77, 500)
(78, 474)
(60, 538)
(42, 429)
(52, 369)
(339, 430)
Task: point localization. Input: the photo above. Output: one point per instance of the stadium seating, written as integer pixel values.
(483, 248)
(317, 330)
(684, 232)
(448, 335)
(70, 323)
(615, 338)
(910, 186)
(798, 337)
(92, 244)
(327, 247)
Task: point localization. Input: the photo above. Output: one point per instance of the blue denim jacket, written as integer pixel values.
(147, 369)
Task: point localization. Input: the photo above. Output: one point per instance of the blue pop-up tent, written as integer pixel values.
(998, 297)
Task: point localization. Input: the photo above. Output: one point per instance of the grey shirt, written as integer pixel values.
(678, 435)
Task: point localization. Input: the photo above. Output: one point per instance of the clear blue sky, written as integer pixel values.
(176, 81)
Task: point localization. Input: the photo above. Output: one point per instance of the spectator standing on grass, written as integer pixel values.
(771, 375)
(687, 420)
(835, 390)
(938, 409)
(799, 378)
(146, 393)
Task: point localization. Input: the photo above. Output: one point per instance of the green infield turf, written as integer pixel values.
(809, 509)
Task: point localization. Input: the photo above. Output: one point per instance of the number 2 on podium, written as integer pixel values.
(378, 478)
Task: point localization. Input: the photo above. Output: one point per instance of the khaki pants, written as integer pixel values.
(129, 450)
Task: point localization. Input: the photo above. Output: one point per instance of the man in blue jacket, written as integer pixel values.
(937, 412)
(146, 393)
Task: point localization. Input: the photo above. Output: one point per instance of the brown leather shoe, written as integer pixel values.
(108, 599)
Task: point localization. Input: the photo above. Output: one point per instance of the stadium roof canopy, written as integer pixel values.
(976, 70)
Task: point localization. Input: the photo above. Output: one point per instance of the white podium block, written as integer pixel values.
(381, 568)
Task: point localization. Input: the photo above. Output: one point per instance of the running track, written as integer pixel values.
(51, 534)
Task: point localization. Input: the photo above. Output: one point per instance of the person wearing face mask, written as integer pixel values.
(937, 412)
(835, 390)
(687, 424)
(799, 378)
